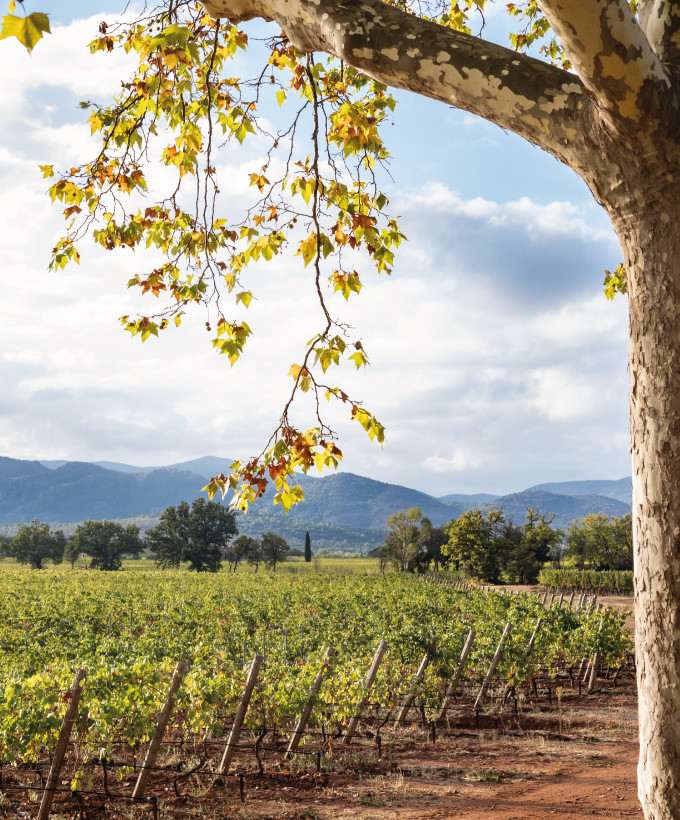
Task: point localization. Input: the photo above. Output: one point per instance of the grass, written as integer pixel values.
(295, 566)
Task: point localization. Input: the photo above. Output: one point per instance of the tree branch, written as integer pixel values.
(660, 21)
(610, 53)
(539, 102)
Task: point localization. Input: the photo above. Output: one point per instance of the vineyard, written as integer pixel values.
(317, 635)
(600, 581)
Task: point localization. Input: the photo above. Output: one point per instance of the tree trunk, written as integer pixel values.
(651, 245)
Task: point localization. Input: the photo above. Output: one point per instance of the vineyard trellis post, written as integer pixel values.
(532, 640)
(235, 734)
(368, 683)
(307, 711)
(451, 690)
(494, 664)
(62, 742)
(596, 660)
(161, 726)
(412, 690)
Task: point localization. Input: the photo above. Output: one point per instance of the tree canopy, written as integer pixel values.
(36, 544)
(105, 543)
(275, 549)
(199, 535)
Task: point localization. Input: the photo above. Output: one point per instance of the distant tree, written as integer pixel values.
(538, 543)
(308, 548)
(36, 544)
(296, 552)
(105, 543)
(623, 535)
(404, 538)
(472, 543)
(430, 550)
(168, 539)
(508, 546)
(600, 542)
(198, 535)
(275, 549)
(255, 555)
(239, 550)
(5, 542)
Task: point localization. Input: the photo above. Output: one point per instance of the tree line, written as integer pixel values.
(202, 535)
(484, 546)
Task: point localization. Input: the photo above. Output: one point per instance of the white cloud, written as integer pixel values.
(552, 219)
(458, 461)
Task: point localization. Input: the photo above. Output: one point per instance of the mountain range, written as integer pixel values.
(343, 512)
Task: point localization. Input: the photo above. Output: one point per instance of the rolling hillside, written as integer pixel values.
(342, 511)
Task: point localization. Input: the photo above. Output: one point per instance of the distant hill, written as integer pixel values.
(468, 499)
(565, 507)
(350, 500)
(621, 489)
(205, 467)
(79, 490)
(341, 511)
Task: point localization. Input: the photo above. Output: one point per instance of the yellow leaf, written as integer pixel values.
(28, 30)
(259, 180)
(307, 248)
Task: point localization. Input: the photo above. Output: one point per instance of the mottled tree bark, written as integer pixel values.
(616, 122)
(651, 245)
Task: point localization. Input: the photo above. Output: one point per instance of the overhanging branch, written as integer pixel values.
(539, 102)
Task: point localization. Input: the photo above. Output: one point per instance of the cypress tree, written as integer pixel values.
(308, 548)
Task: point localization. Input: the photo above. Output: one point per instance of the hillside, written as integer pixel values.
(342, 511)
(78, 490)
(565, 507)
(350, 500)
(621, 489)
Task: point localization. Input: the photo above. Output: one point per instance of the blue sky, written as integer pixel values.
(496, 361)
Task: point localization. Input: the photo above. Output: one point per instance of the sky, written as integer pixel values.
(496, 361)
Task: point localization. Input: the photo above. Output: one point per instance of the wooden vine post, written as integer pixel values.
(307, 711)
(161, 726)
(412, 690)
(494, 664)
(596, 662)
(235, 734)
(368, 683)
(62, 742)
(532, 640)
(451, 690)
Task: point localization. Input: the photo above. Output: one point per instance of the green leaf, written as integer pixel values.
(28, 30)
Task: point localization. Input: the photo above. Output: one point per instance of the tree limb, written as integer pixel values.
(610, 53)
(660, 21)
(539, 102)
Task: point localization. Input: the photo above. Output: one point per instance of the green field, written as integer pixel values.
(128, 629)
